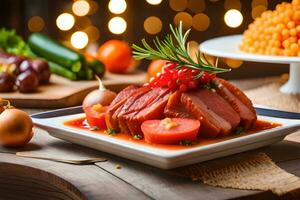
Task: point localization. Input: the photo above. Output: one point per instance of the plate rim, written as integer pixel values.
(235, 53)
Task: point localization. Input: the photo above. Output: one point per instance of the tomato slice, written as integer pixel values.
(95, 117)
(156, 132)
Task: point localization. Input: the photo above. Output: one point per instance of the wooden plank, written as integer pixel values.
(91, 181)
(64, 93)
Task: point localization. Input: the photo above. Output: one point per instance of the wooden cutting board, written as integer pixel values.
(65, 93)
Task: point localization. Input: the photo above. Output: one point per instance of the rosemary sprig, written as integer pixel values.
(167, 49)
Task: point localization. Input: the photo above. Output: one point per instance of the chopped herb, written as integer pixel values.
(137, 137)
(239, 130)
(118, 167)
(94, 128)
(111, 131)
(187, 142)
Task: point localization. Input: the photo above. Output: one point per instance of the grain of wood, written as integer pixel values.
(64, 93)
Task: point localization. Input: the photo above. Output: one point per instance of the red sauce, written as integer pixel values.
(259, 126)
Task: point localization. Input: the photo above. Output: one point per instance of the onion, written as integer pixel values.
(16, 127)
(100, 96)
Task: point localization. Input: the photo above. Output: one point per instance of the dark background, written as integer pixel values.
(16, 13)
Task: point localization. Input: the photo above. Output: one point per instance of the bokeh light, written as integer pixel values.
(83, 22)
(201, 22)
(81, 8)
(196, 6)
(193, 48)
(79, 40)
(117, 25)
(178, 5)
(154, 2)
(232, 4)
(233, 63)
(185, 18)
(65, 21)
(233, 18)
(259, 3)
(257, 11)
(152, 25)
(93, 33)
(36, 24)
(93, 7)
(117, 6)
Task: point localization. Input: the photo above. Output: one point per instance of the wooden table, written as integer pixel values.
(106, 180)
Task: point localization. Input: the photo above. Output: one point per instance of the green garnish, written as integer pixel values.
(187, 142)
(239, 130)
(137, 137)
(12, 43)
(94, 128)
(110, 131)
(178, 52)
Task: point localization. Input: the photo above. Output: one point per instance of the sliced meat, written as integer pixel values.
(122, 109)
(152, 111)
(174, 107)
(143, 101)
(238, 101)
(118, 102)
(219, 106)
(211, 123)
(238, 93)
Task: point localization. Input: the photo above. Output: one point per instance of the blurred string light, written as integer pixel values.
(93, 33)
(233, 63)
(154, 2)
(259, 3)
(233, 18)
(196, 6)
(193, 47)
(201, 22)
(232, 4)
(93, 7)
(79, 40)
(117, 25)
(36, 24)
(152, 25)
(185, 18)
(257, 11)
(117, 6)
(65, 21)
(258, 7)
(81, 8)
(178, 5)
(83, 22)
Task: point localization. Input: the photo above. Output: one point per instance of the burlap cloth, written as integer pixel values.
(257, 172)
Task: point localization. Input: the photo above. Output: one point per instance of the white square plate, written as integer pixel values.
(53, 122)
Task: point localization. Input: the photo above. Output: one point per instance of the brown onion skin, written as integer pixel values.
(103, 97)
(16, 128)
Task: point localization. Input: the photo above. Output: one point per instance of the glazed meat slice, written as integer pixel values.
(174, 107)
(152, 111)
(140, 103)
(123, 108)
(219, 106)
(239, 102)
(118, 102)
(211, 123)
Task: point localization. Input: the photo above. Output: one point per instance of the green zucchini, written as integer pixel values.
(53, 51)
(61, 71)
(97, 66)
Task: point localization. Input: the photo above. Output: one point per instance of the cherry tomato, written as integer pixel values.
(116, 55)
(95, 116)
(155, 67)
(156, 132)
